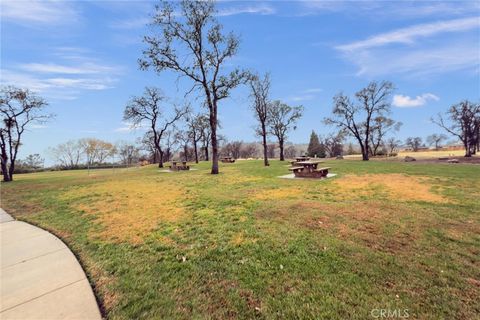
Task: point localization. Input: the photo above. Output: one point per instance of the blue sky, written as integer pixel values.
(82, 57)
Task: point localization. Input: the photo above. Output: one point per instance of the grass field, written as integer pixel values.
(246, 244)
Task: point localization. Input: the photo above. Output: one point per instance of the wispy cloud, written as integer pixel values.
(131, 23)
(306, 95)
(389, 9)
(128, 127)
(402, 101)
(313, 90)
(39, 12)
(410, 34)
(260, 8)
(422, 49)
(143, 18)
(84, 68)
(423, 61)
(38, 126)
(65, 79)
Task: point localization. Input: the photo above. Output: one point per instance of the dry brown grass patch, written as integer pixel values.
(362, 221)
(129, 210)
(280, 193)
(397, 186)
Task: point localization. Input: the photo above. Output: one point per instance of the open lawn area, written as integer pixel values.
(246, 244)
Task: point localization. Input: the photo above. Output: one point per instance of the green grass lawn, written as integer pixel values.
(246, 244)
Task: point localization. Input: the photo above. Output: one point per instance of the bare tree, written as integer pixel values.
(206, 138)
(414, 143)
(96, 150)
(233, 149)
(271, 150)
(357, 119)
(464, 123)
(68, 154)
(19, 108)
(169, 143)
(436, 139)
(392, 145)
(183, 139)
(381, 126)
(197, 124)
(248, 150)
(147, 144)
(147, 110)
(33, 161)
(290, 152)
(334, 144)
(282, 118)
(191, 44)
(128, 152)
(260, 88)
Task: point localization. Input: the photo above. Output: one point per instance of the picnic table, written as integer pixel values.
(298, 159)
(176, 166)
(309, 169)
(227, 160)
(302, 158)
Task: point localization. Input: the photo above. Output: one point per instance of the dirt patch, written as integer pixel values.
(128, 210)
(397, 186)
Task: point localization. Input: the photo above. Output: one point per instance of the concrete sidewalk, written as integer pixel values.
(40, 278)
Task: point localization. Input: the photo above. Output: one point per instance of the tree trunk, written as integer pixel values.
(5, 172)
(160, 163)
(206, 152)
(280, 142)
(213, 126)
(11, 169)
(466, 144)
(4, 166)
(195, 149)
(185, 151)
(265, 146)
(364, 152)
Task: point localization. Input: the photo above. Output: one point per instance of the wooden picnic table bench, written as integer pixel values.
(309, 169)
(176, 167)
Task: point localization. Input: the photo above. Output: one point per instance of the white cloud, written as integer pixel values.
(402, 101)
(128, 127)
(263, 9)
(132, 23)
(418, 50)
(123, 129)
(38, 126)
(410, 34)
(224, 11)
(64, 80)
(305, 95)
(414, 62)
(389, 9)
(84, 68)
(39, 11)
(313, 90)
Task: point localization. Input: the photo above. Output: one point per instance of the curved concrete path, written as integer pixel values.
(40, 278)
